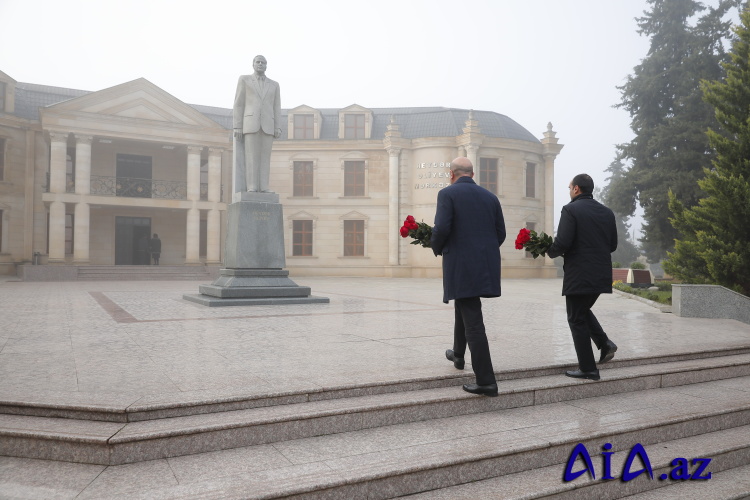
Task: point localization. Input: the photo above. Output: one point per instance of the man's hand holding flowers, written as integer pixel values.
(420, 231)
(537, 244)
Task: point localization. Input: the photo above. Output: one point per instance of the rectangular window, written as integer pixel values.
(302, 236)
(303, 127)
(133, 176)
(203, 238)
(354, 238)
(354, 126)
(69, 223)
(303, 178)
(488, 174)
(530, 180)
(204, 180)
(354, 178)
(2, 159)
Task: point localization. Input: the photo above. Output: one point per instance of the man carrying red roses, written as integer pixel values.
(469, 229)
(586, 237)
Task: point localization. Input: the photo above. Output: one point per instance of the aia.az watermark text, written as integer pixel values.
(681, 467)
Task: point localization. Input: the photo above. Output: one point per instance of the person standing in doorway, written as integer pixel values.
(469, 229)
(155, 248)
(586, 238)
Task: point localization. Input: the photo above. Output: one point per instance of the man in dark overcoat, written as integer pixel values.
(586, 238)
(469, 229)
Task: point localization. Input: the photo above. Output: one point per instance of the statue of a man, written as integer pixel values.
(257, 121)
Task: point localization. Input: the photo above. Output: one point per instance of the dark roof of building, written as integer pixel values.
(30, 97)
(413, 122)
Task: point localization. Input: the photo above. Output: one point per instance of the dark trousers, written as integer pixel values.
(469, 328)
(585, 328)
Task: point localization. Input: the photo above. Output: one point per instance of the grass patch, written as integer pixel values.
(663, 296)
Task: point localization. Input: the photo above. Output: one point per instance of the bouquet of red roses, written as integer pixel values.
(420, 231)
(537, 244)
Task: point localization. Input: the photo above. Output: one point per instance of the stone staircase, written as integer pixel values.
(143, 273)
(423, 437)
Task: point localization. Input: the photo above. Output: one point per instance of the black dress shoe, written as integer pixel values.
(457, 362)
(485, 390)
(608, 351)
(594, 375)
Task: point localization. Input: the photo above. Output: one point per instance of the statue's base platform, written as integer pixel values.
(246, 287)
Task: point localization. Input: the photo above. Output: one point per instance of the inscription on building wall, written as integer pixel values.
(433, 175)
(262, 216)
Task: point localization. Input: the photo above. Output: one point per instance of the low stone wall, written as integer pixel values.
(48, 273)
(710, 301)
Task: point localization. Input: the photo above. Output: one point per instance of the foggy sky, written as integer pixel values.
(536, 62)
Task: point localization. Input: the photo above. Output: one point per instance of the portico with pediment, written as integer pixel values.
(127, 162)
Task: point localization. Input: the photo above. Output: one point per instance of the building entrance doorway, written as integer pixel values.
(132, 235)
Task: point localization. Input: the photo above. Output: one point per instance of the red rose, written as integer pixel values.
(411, 225)
(404, 231)
(409, 218)
(524, 235)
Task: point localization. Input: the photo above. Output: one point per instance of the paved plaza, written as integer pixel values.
(141, 342)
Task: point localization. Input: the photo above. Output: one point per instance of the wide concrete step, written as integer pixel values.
(730, 484)
(513, 453)
(525, 387)
(107, 442)
(728, 474)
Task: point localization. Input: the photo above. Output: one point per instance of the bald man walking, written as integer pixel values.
(469, 229)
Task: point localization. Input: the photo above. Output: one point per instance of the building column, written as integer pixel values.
(192, 236)
(552, 148)
(213, 238)
(214, 174)
(549, 194)
(83, 164)
(58, 162)
(194, 173)
(393, 204)
(82, 230)
(471, 154)
(56, 232)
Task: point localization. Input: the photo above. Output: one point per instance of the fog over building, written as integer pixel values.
(85, 177)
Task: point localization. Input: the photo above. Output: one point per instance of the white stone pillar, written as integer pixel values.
(58, 161)
(549, 194)
(56, 232)
(194, 173)
(192, 237)
(393, 205)
(83, 165)
(471, 154)
(82, 230)
(214, 174)
(213, 238)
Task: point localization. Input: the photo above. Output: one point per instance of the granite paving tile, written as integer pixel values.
(206, 466)
(35, 479)
(130, 478)
(246, 486)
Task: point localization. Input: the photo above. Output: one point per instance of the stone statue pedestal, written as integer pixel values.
(254, 258)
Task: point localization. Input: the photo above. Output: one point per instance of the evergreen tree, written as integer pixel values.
(626, 249)
(669, 117)
(715, 240)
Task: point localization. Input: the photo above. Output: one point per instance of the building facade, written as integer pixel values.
(87, 177)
